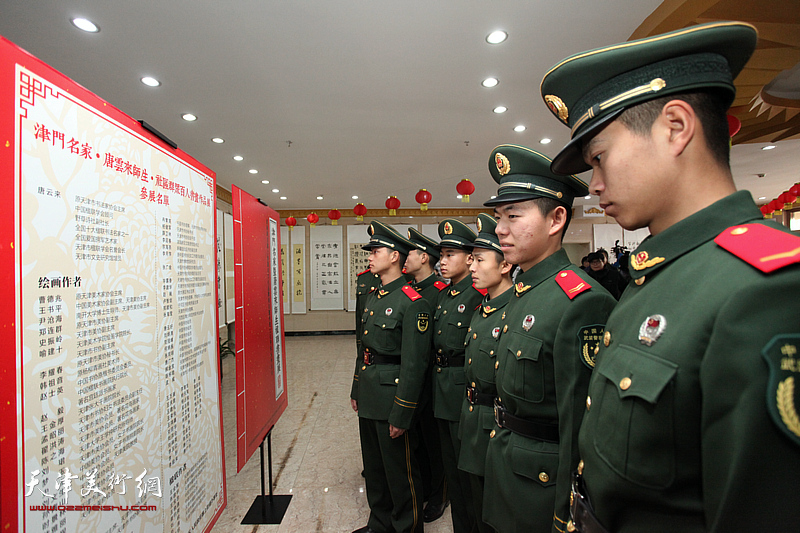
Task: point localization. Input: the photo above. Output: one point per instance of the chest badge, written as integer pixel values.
(496, 332)
(527, 322)
(651, 329)
(461, 308)
(388, 311)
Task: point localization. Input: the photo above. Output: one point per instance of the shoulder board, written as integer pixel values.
(411, 293)
(439, 284)
(483, 292)
(362, 273)
(571, 283)
(761, 246)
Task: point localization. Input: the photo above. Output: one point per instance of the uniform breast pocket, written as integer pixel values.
(524, 377)
(483, 367)
(634, 429)
(536, 460)
(456, 334)
(385, 336)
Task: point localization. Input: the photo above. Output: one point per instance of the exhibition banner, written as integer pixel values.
(111, 403)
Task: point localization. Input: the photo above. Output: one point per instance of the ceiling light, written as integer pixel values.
(253, 171)
(275, 190)
(85, 25)
(458, 197)
(500, 109)
(265, 182)
(217, 140)
(238, 158)
(769, 147)
(519, 128)
(493, 197)
(762, 197)
(490, 82)
(150, 81)
(545, 141)
(354, 197)
(319, 197)
(188, 117)
(587, 197)
(283, 198)
(496, 37)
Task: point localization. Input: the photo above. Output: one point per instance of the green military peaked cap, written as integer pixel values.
(590, 89)
(423, 242)
(383, 235)
(486, 238)
(524, 174)
(455, 234)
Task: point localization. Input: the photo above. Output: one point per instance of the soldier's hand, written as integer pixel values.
(354, 405)
(395, 432)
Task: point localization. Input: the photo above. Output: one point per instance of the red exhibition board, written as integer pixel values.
(261, 378)
(111, 418)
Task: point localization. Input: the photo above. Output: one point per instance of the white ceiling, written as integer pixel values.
(377, 97)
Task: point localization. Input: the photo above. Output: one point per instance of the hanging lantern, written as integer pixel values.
(360, 210)
(734, 125)
(392, 204)
(465, 188)
(423, 197)
(795, 190)
(334, 215)
(291, 222)
(777, 207)
(312, 218)
(766, 211)
(787, 199)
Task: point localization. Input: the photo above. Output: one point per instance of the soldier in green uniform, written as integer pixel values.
(419, 264)
(545, 356)
(691, 419)
(396, 337)
(451, 321)
(490, 271)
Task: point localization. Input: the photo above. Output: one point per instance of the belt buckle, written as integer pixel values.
(578, 503)
(498, 414)
(367, 357)
(440, 360)
(471, 395)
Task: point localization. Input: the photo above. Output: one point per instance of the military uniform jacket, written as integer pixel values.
(366, 282)
(395, 322)
(451, 321)
(692, 424)
(481, 350)
(429, 288)
(550, 329)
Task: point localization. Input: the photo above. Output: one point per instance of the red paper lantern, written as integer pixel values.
(360, 210)
(787, 199)
(291, 222)
(765, 210)
(423, 197)
(734, 125)
(312, 218)
(465, 188)
(795, 189)
(334, 215)
(777, 206)
(392, 204)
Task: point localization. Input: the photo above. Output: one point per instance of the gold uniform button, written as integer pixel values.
(491, 352)
(580, 467)
(383, 326)
(491, 435)
(639, 281)
(444, 312)
(543, 477)
(364, 367)
(439, 369)
(470, 361)
(474, 335)
(496, 365)
(597, 349)
(505, 328)
(607, 338)
(459, 324)
(440, 332)
(570, 526)
(366, 331)
(470, 408)
(397, 380)
(469, 329)
(440, 350)
(519, 352)
(588, 402)
(371, 313)
(473, 384)
(625, 383)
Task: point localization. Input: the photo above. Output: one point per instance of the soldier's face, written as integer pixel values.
(454, 263)
(414, 262)
(486, 270)
(380, 260)
(629, 174)
(523, 233)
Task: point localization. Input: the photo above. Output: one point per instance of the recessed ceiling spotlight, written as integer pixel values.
(85, 25)
(238, 158)
(587, 197)
(319, 197)
(458, 197)
(265, 182)
(283, 198)
(500, 109)
(188, 117)
(275, 190)
(762, 197)
(545, 141)
(490, 82)
(253, 171)
(354, 197)
(493, 197)
(519, 128)
(218, 140)
(151, 81)
(496, 37)
(769, 147)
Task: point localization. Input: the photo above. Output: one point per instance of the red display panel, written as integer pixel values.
(261, 378)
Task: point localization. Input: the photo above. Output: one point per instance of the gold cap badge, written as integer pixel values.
(503, 166)
(448, 228)
(479, 224)
(557, 106)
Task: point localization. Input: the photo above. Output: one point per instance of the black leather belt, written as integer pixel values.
(522, 426)
(476, 397)
(374, 359)
(581, 511)
(449, 360)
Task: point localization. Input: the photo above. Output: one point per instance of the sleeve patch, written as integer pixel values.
(571, 283)
(411, 293)
(590, 338)
(783, 389)
(765, 248)
(423, 320)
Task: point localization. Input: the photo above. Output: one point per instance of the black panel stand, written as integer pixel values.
(267, 509)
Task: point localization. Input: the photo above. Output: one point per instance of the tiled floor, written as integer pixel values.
(315, 447)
